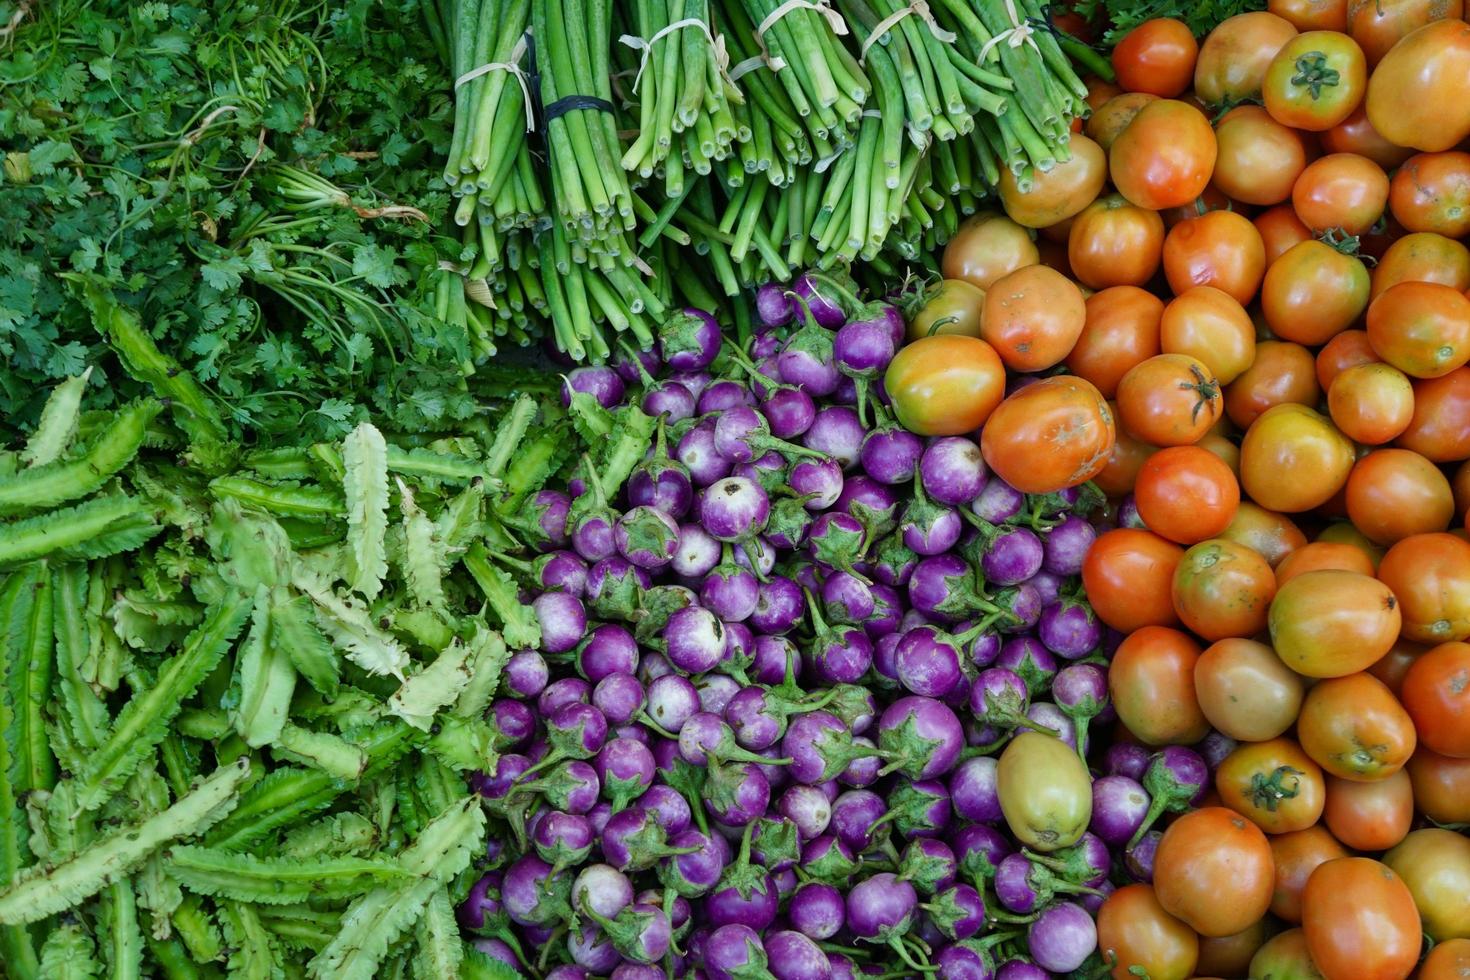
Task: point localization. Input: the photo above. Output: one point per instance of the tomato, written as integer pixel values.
(1430, 574)
(1120, 331)
(1423, 257)
(1447, 961)
(1169, 400)
(1393, 665)
(1340, 190)
(986, 247)
(1347, 349)
(1165, 156)
(1330, 623)
(1292, 459)
(1272, 535)
(952, 306)
(1220, 249)
(1032, 317)
(1156, 57)
(1312, 292)
(1461, 486)
(1378, 25)
(1312, 15)
(1440, 428)
(1208, 324)
(1281, 373)
(1421, 328)
(1370, 816)
(1360, 921)
(1416, 94)
(1138, 938)
(1213, 870)
(1120, 473)
(1322, 554)
(1280, 229)
(1371, 403)
(1151, 682)
(1233, 60)
(1053, 434)
(1441, 786)
(1344, 533)
(945, 386)
(1227, 452)
(1356, 134)
(1431, 192)
(1223, 589)
(1435, 864)
(1060, 192)
(1053, 811)
(1393, 493)
(1209, 200)
(1128, 574)
(1258, 159)
(1436, 693)
(1114, 116)
(1230, 956)
(1245, 691)
(1114, 243)
(1273, 784)
(1315, 81)
(1186, 494)
(1296, 856)
(1353, 727)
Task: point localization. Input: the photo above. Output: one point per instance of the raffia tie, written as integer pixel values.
(823, 7)
(514, 67)
(920, 9)
(1017, 34)
(716, 43)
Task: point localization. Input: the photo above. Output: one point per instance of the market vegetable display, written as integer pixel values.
(1002, 511)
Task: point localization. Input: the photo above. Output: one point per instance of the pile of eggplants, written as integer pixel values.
(813, 693)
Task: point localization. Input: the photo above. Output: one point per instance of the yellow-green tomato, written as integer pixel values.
(1435, 864)
(1045, 792)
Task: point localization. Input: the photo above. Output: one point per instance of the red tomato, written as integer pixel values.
(1138, 938)
(1293, 459)
(1353, 727)
(1313, 292)
(986, 247)
(1370, 816)
(1128, 574)
(1053, 434)
(1331, 623)
(1259, 159)
(1213, 869)
(1165, 157)
(1124, 462)
(1114, 243)
(1220, 249)
(1156, 57)
(1032, 317)
(1441, 786)
(1186, 494)
(1437, 695)
(1393, 493)
(1447, 961)
(1348, 349)
(1233, 60)
(1431, 192)
(945, 386)
(1315, 81)
(1121, 331)
(1323, 554)
(1223, 589)
(1440, 427)
(1151, 682)
(1208, 324)
(1430, 575)
(1169, 400)
(1341, 190)
(1281, 373)
(1360, 921)
(1421, 328)
(1416, 97)
(1297, 855)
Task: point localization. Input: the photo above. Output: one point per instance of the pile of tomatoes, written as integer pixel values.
(1246, 296)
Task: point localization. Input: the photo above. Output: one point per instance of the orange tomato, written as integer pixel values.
(1436, 693)
(1348, 349)
(945, 385)
(1156, 57)
(1323, 554)
(1377, 25)
(1313, 292)
(1219, 248)
(1032, 317)
(1271, 534)
(1050, 435)
(1293, 459)
(1280, 229)
(1213, 870)
(1340, 190)
(1258, 159)
(1441, 786)
(1353, 727)
(1393, 665)
(1245, 691)
(1315, 81)
(1186, 494)
(1296, 856)
(1430, 574)
(1413, 94)
(1114, 243)
(1223, 589)
(1331, 623)
(1169, 400)
(1435, 864)
(1421, 328)
(1440, 427)
(1233, 60)
(1282, 373)
(1370, 816)
(1165, 157)
(1230, 956)
(1447, 961)
(1423, 257)
(1360, 921)
(1371, 403)
(1394, 493)
(1151, 682)
(1208, 324)
(1120, 473)
(1114, 115)
(1431, 192)
(1273, 784)
(1461, 486)
(1135, 934)
(1060, 192)
(1312, 15)
(987, 247)
(1128, 574)
(1356, 134)
(1120, 331)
